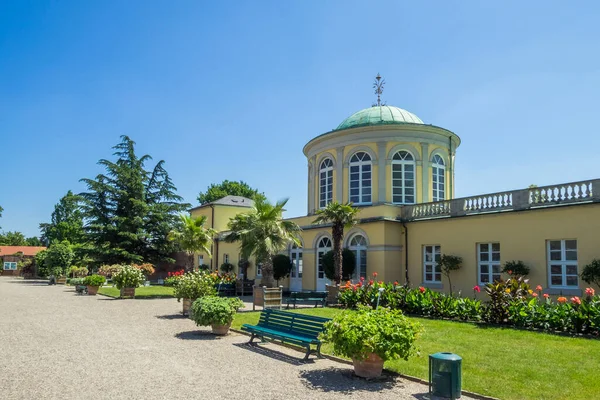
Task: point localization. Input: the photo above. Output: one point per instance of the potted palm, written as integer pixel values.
(93, 283)
(218, 312)
(127, 278)
(192, 286)
(371, 337)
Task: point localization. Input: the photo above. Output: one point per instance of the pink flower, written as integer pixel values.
(421, 289)
(362, 278)
(546, 295)
(538, 288)
(374, 274)
(396, 283)
(590, 292)
(476, 289)
(575, 300)
(535, 295)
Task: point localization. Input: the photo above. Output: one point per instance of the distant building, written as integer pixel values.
(10, 257)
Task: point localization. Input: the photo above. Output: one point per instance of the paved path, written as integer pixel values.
(55, 344)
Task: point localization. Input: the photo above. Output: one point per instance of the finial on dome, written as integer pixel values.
(378, 86)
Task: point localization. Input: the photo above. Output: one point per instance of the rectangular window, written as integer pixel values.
(325, 187)
(10, 266)
(562, 263)
(431, 269)
(488, 262)
(226, 258)
(403, 183)
(297, 263)
(259, 269)
(200, 260)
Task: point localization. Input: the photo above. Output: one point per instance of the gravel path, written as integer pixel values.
(55, 344)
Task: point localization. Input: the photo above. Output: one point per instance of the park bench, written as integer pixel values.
(288, 327)
(307, 297)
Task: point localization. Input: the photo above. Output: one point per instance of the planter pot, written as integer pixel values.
(92, 290)
(128, 292)
(370, 367)
(332, 294)
(221, 330)
(61, 281)
(187, 305)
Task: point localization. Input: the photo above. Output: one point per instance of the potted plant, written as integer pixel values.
(218, 312)
(127, 278)
(192, 286)
(348, 267)
(93, 283)
(371, 337)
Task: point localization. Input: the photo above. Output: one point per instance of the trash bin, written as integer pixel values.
(445, 375)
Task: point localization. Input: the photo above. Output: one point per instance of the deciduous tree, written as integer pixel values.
(217, 191)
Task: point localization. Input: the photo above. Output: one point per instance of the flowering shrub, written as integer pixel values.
(173, 277)
(109, 270)
(218, 278)
(128, 277)
(146, 268)
(194, 285)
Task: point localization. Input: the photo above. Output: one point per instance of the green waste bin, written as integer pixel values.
(445, 375)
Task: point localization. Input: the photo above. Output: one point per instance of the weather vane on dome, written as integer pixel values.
(378, 86)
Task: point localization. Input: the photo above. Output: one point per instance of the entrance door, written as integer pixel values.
(323, 247)
(296, 274)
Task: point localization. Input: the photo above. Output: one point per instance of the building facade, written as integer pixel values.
(400, 172)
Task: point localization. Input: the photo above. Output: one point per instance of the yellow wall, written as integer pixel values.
(522, 236)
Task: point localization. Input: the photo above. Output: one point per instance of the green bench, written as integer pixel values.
(306, 297)
(299, 329)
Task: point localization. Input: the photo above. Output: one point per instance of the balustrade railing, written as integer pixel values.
(523, 199)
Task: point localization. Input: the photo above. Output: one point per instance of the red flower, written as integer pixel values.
(359, 284)
(538, 288)
(546, 295)
(421, 289)
(362, 278)
(476, 289)
(562, 299)
(371, 282)
(380, 282)
(575, 300)
(396, 283)
(534, 294)
(590, 292)
(374, 274)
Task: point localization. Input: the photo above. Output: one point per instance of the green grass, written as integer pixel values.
(144, 292)
(499, 362)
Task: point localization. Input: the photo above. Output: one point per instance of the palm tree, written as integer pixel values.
(340, 216)
(192, 236)
(262, 233)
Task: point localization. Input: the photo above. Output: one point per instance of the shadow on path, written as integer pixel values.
(343, 380)
(197, 335)
(274, 354)
(172, 316)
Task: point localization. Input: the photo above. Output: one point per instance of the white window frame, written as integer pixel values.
(320, 252)
(438, 170)
(296, 258)
(9, 264)
(361, 162)
(564, 264)
(200, 260)
(401, 164)
(325, 182)
(435, 268)
(259, 270)
(490, 262)
(358, 250)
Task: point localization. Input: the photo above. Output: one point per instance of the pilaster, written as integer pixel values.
(425, 173)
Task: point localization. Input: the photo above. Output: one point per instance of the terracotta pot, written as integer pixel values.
(128, 292)
(187, 305)
(92, 290)
(221, 329)
(370, 367)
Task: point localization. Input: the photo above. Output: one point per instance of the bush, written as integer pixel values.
(591, 273)
(449, 263)
(109, 270)
(40, 262)
(146, 268)
(348, 264)
(227, 267)
(94, 280)
(387, 333)
(59, 257)
(501, 294)
(214, 310)
(128, 277)
(204, 267)
(516, 268)
(174, 277)
(76, 281)
(194, 285)
(78, 272)
(282, 266)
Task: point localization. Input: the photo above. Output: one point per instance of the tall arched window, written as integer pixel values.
(438, 172)
(325, 182)
(360, 178)
(358, 244)
(403, 178)
(323, 247)
(296, 257)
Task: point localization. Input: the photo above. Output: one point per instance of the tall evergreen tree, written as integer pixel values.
(129, 211)
(66, 222)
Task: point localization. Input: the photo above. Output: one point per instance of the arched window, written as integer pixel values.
(358, 244)
(323, 247)
(296, 257)
(438, 177)
(360, 178)
(325, 182)
(403, 178)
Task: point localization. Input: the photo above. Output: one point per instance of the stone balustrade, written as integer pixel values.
(523, 199)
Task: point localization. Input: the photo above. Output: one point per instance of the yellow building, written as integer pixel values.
(399, 172)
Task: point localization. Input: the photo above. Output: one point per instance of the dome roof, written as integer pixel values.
(379, 115)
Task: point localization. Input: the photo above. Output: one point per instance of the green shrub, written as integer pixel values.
(516, 268)
(282, 266)
(348, 264)
(76, 281)
(501, 294)
(227, 267)
(214, 310)
(94, 280)
(449, 263)
(128, 277)
(204, 267)
(387, 333)
(591, 273)
(194, 285)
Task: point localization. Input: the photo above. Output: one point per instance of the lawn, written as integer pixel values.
(144, 292)
(503, 363)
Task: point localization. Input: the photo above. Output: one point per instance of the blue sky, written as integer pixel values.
(233, 90)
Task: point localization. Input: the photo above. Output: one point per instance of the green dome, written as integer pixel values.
(379, 115)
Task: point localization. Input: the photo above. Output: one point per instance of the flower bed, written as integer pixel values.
(511, 302)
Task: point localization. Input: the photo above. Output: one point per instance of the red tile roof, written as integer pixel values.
(26, 250)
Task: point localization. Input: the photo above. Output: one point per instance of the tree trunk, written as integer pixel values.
(338, 234)
(267, 272)
(190, 263)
